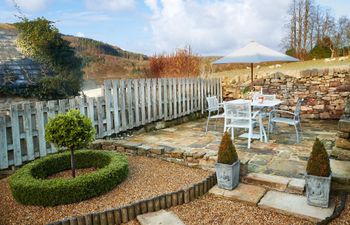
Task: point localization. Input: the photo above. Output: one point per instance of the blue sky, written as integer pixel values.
(211, 27)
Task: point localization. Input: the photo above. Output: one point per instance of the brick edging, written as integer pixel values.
(129, 212)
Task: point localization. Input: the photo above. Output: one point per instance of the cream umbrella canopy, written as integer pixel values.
(254, 53)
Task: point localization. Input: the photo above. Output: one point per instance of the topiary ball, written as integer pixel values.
(227, 152)
(72, 130)
(318, 163)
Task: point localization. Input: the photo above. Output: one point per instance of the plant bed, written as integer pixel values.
(30, 184)
(148, 177)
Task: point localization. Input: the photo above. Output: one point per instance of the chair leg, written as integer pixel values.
(206, 129)
(297, 133)
(301, 132)
(249, 136)
(224, 125)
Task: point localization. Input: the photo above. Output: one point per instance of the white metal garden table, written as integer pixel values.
(266, 104)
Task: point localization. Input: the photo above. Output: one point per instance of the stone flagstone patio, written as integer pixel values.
(189, 144)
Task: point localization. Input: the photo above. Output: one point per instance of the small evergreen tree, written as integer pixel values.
(227, 152)
(72, 131)
(318, 163)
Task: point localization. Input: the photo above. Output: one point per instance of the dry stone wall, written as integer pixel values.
(324, 91)
(342, 149)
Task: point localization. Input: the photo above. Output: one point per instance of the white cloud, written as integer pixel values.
(215, 27)
(31, 5)
(110, 5)
(80, 34)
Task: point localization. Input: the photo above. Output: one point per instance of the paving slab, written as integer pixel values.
(296, 186)
(250, 194)
(295, 205)
(266, 180)
(161, 217)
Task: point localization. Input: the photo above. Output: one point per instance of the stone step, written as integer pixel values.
(340, 154)
(278, 183)
(340, 171)
(243, 192)
(161, 217)
(295, 205)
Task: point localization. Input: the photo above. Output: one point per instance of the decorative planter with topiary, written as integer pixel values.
(318, 177)
(228, 165)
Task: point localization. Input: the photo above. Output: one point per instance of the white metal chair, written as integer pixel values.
(239, 115)
(213, 107)
(293, 119)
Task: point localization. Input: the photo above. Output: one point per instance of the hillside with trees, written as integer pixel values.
(104, 61)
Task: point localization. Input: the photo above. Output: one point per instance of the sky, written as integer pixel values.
(210, 27)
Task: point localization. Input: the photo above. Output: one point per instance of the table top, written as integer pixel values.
(265, 103)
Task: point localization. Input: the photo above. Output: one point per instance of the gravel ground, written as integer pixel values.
(67, 174)
(219, 211)
(147, 177)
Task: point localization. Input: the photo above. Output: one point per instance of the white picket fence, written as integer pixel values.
(126, 104)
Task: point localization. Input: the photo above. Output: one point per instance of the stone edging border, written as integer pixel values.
(126, 213)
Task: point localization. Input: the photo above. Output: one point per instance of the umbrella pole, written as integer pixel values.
(251, 77)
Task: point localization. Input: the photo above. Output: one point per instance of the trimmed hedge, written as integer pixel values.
(30, 186)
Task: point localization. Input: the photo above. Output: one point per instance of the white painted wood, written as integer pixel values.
(165, 98)
(136, 102)
(62, 105)
(28, 129)
(143, 101)
(160, 101)
(129, 97)
(100, 113)
(183, 84)
(170, 98)
(123, 105)
(50, 114)
(40, 126)
(154, 99)
(220, 86)
(108, 107)
(3, 144)
(90, 110)
(116, 113)
(149, 101)
(16, 143)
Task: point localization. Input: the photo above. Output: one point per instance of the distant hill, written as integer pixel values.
(105, 61)
(102, 60)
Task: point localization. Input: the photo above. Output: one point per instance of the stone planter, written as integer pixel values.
(227, 175)
(317, 190)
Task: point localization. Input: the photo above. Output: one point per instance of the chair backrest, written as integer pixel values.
(298, 109)
(269, 97)
(238, 110)
(255, 95)
(213, 103)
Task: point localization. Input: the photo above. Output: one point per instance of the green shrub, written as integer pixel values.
(30, 186)
(318, 163)
(71, 130)
(61, 74)
(227, 152)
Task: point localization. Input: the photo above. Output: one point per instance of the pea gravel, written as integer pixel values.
(219, 211)
(147, 177)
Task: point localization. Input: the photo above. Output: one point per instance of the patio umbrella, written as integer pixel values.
(254, 53)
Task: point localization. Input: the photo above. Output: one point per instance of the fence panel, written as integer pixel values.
(126, 104)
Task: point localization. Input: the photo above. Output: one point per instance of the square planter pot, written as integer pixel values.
(317, 190)
(227, 175)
